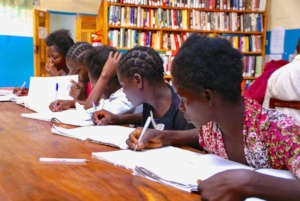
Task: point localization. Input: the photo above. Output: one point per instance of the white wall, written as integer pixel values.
(16, 22)
(284, 13)
(60, 21)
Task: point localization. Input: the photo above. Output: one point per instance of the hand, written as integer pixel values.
(75, 90)
(61, 105)
(151, 139)
(111, 64)
(230, 185)
(51, 69)
(104, 117)
(20, 91)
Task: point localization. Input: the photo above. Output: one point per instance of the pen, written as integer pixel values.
(56, 89)
(94, 106)
(65, 160)
(22, 87)
(143, 132)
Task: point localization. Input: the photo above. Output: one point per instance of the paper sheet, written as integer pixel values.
(277, 40)
(42, 91)
(115, 136)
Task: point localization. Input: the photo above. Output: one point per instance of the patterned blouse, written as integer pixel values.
(271, 139)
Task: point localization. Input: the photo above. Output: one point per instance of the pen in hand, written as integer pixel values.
(143, 132)
(21, 89)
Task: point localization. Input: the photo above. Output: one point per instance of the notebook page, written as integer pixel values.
(42, 91)
(71, 117)
(109, 135)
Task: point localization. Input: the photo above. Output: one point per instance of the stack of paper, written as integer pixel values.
(115, 136)
(177, 167)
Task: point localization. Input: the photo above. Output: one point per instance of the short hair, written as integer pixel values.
(209, 63)
(78, 51)
(96, 58)
(144, 61)
(61, 39)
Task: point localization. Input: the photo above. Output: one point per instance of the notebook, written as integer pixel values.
(187, 166)
(42, 91)
(115, 136)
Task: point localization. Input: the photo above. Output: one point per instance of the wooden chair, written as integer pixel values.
(281, 103)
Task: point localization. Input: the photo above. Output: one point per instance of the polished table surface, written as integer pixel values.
(22, 177)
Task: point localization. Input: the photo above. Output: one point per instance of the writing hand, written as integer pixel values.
(151, 139)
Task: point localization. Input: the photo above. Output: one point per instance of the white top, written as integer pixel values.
(284, 84)
(117, 103)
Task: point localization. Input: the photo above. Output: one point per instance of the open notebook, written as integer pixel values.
(177, 167)
(42, 91)
(115, 136)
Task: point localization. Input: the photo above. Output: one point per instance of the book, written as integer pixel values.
(187, 167)
(114, 136)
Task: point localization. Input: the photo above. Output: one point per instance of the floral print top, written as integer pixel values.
(271, 139)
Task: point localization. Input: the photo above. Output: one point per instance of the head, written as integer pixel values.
(206, 72)
(94, 61)
(75, 58)
(58, 44)
(137, 68)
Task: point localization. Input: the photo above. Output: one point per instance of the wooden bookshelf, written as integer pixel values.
(109, 27)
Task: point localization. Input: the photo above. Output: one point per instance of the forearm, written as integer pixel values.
(273, 188)
(129, 118)
(97, 91)
(180, 137)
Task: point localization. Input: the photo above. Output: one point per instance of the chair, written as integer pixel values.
(281, 103)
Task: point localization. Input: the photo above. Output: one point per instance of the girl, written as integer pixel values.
(207, 74)
(58, 44)
(140, 73)
(75, 64)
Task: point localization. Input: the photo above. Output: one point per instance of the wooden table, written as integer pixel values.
(23, 177)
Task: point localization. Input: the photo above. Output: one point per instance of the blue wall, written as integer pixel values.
(290, 42)
(16, 60)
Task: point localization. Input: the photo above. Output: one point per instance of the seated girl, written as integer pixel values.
(207, 75)
(75, 64)
(58, 44)
(115, 100)
(140, 73)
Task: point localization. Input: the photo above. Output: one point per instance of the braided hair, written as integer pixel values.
(144, 61)
(78, 51)
(61, 39)
(96, 58)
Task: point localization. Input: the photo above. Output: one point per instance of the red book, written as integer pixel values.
(176, 41)
(174, 18)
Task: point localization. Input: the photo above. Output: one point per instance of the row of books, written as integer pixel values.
(250, 43)
(144, 17)
(222, 21)
(173, 41)
(257, 5)
(252, 66)
(167, 58)
(178, 19)
(129, 38)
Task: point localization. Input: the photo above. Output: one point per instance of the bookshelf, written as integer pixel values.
(165, 24)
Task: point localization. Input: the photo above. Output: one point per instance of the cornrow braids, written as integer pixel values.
(77, 51)
(144, 61)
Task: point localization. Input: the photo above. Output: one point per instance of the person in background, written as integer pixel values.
(284, 84)
(58, 43)
(76, 66)
(257, 89)
(140, 73)
(207, 75)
